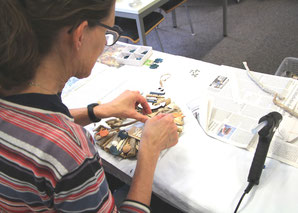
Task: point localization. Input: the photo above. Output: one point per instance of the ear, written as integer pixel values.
(78, 34)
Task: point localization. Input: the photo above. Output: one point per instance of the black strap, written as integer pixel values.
(91, 114)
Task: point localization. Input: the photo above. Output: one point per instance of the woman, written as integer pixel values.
(48, 161)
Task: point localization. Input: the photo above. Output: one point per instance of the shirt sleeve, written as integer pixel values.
(131, 206)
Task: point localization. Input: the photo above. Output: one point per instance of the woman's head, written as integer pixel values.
(29, 30)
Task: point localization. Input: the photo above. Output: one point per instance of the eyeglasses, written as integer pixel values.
(112, 34)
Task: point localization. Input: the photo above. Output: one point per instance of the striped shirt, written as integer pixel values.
(48, 163)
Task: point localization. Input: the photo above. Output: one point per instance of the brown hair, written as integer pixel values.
(28, 29)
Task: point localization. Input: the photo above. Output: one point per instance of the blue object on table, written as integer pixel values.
(158, 60)
(123, 134)
(154, 66)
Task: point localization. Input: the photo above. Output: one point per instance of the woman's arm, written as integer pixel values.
(124, 106)
(159, 133)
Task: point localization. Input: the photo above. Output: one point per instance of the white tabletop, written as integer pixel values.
(199, 174)
(134, 6)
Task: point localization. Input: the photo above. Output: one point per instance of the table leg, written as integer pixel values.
(174, 18)
(141, 31)
(225, 5)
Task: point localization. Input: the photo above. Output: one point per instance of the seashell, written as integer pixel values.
(179, 129)
(126, 148)
(97, 137)
(177, 114)
(168, 101)
(114, 143)
(133, 151)
(179, 121)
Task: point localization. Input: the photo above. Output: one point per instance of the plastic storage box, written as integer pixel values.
(134, 55)
(288, 68)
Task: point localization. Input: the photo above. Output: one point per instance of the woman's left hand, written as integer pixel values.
(124, 106)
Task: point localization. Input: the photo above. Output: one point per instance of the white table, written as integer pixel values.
(123, 9)
(199, 174)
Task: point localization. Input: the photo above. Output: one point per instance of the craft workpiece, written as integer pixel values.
(121, 137)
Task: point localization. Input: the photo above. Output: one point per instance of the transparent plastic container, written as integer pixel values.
(288, 68)
(134, 55)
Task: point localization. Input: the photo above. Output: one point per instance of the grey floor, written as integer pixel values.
(261, 32)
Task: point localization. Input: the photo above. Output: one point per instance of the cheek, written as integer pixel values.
(98, 49)
(102, 44)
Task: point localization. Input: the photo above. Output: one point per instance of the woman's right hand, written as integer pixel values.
(160, 132)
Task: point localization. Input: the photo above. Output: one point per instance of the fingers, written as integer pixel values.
(173, 140)
(141, 100)
(140, 117)
(161, 115)
(160, 132)
(172, 130)
(167, 121)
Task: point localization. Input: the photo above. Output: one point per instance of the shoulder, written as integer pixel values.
(47, 139)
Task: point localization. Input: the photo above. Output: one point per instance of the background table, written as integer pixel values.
(199, 174)
(147, 6)
(138, 13)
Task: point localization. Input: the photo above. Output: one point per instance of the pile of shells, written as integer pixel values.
(122, 138)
